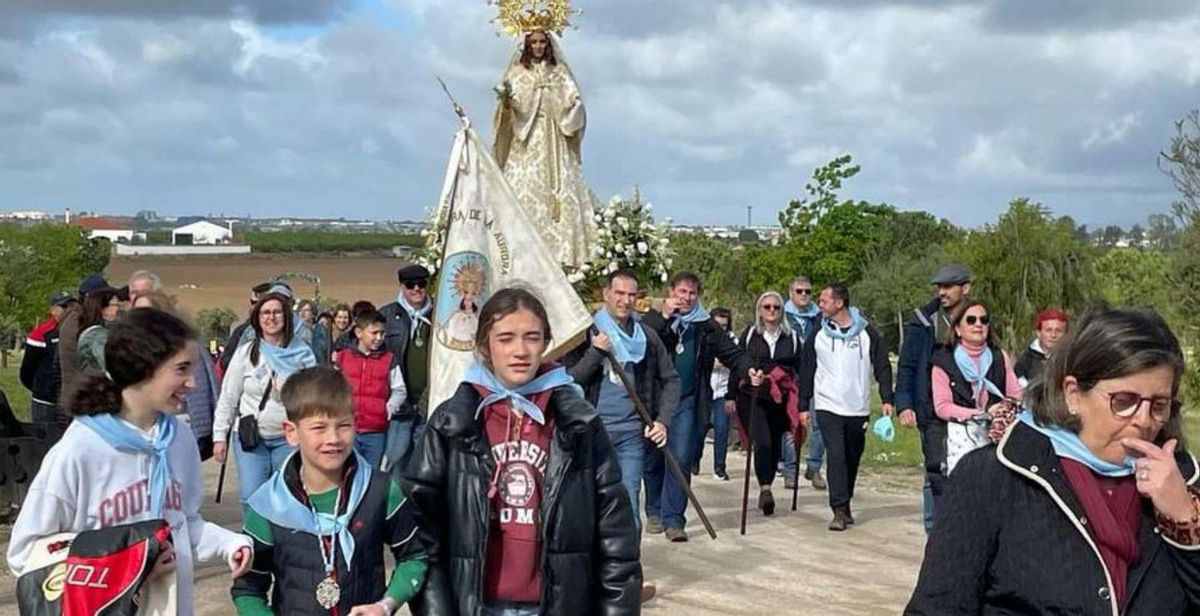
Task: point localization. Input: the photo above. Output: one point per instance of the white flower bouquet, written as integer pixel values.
(627, 238)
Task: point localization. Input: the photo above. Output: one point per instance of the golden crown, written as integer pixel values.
(517, 17)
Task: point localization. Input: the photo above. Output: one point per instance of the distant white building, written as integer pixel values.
(112, 230)
(201, 233)
(31, 215)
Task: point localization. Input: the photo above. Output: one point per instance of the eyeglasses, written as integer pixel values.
(771, 307)
(801, 291)
(1125, 404)
(416, 284)
(983, 320)
(271, 313)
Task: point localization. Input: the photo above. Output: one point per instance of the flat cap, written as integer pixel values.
(952, 274)
(412, 273)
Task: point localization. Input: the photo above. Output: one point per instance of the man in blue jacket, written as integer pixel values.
(929, 325)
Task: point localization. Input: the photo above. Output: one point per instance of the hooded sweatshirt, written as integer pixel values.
(87, 484)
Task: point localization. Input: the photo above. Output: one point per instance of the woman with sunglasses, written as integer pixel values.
(1088, 504)
(773, 347)
(974, 385)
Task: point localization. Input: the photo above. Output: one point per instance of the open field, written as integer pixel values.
(211, 282)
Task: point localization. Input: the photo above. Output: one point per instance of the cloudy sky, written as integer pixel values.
(330, 107)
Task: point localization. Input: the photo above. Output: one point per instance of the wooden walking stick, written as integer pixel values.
(796, 479)
(221, 475)
(668, 459)
(746, 429)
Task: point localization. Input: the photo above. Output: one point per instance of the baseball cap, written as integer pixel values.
(92, 283)
(62, 298)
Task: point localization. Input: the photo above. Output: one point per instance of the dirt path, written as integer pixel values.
(787, 564)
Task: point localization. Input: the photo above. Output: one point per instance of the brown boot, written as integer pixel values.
(839, 522)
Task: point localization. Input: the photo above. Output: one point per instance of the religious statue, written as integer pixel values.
(539, 127)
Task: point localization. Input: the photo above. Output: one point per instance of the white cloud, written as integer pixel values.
(256, 46)
(952, 106)
(1112, 131)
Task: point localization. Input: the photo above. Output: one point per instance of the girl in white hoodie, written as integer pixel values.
(125, 460)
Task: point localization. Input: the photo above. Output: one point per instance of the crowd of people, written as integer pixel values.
(530, 490)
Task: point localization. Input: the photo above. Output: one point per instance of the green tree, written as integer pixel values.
(10, 336)
(722, 266)
(1024, 263)
(825, 237)
(1112, 235)
(801, 215)
(215, 323)
(1162, 232)
(36, 262)
(1134, 278)
(1181, 161)
(893, 287)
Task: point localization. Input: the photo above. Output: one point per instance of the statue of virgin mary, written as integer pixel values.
(539, 124)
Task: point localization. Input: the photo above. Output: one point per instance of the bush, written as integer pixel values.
(215, 323)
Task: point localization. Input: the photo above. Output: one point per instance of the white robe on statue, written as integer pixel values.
(539, 131)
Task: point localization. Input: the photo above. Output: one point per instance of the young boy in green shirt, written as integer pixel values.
(320, 524)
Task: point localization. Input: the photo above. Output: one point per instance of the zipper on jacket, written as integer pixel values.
(550, 504)
(486, 460)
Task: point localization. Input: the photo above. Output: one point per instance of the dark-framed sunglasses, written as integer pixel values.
(1125, 404)
(771, 307)
(416, 284)
(983, 320)
(801, 291)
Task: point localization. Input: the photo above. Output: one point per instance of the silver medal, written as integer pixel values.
(419, 341)
(679, 349)
(328, 593)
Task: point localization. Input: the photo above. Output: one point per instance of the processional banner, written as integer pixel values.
(491, 243)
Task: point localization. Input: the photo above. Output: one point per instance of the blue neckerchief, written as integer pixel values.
(684, 322)
(856, 328)
(275, 502)
(977, 377)
(625, 348)
(415, 316)
(287, 361)
(125, 437)
(884, 430)
(478, 374)
(800, 319)
(1067, 444)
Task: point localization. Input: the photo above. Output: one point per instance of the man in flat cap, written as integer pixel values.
(406, 336)
(928, 326)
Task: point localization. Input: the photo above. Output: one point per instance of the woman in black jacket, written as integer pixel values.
(773, 347)
(519, 495)
(1089, 504)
